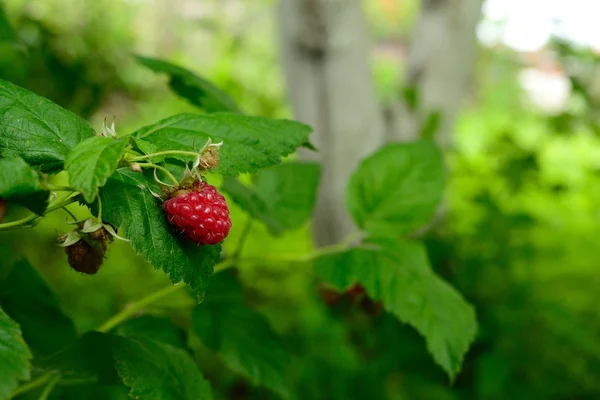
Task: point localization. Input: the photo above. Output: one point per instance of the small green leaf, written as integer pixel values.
(249, 143)
(15, 356)
(157, 371)
(240, 336)
(398, 273)
(128, 204)
(197, 90)
(26, 297)
(283, 196)
(155, 328)
(20, 183)
(36, 129)
(92, 162)
(397, 189)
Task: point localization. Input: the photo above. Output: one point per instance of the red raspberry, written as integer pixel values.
(201, 212)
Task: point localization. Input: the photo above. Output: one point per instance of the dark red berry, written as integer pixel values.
(201, 212)
(85, 257)
(329, 296)
(2, 209)
(356, 291)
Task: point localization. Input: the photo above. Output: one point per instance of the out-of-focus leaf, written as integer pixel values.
(197, 90)
(92, 391)
(26, 297)
(398, 273)
(283, 197)
(252, 202)
(240, 336)
(19, 183)
(155, 328)
(6, 31)
(15, 365)
(397, 189)
(157, 371)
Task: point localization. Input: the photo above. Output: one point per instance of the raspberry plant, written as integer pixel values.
(152, 187)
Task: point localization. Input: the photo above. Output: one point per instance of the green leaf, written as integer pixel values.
(89, 356)
(197, 90)
(158, 371)
(290, 191)
(399, 274)
(7, 34)
(242, 337)
(15, 356)
(92, 391)
(147, 148)
(155, 328)
(92, 162)
(397, 189)
(128, 204)
(252, 202)
(26, 297)
(20, 183)
(37, 130)
(283, 196)
(249, 143)
(431, 125)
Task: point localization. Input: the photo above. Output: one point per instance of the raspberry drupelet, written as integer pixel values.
(201, 212)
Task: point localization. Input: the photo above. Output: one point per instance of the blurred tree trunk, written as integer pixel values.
(325, 52)
(440, 62)
(325, 55)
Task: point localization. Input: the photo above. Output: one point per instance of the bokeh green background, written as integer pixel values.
(523, 198)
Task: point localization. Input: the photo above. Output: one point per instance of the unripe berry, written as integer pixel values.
(86, 258)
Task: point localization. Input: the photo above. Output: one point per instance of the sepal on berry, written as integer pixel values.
(208, 157)
(101, 230)
(69, 239)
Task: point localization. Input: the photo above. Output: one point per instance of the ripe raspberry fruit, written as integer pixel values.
(201, 212)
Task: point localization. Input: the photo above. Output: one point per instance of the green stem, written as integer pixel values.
(77, 381)
(136, 306)
(49, 387)
(99, 209)
(70, 213)
(133, 308)
(59, 188)
(15, 224)
(243, 237)
(164, 153)
(34, 384)
(34, 217)
(163, 169)
(316, 253)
